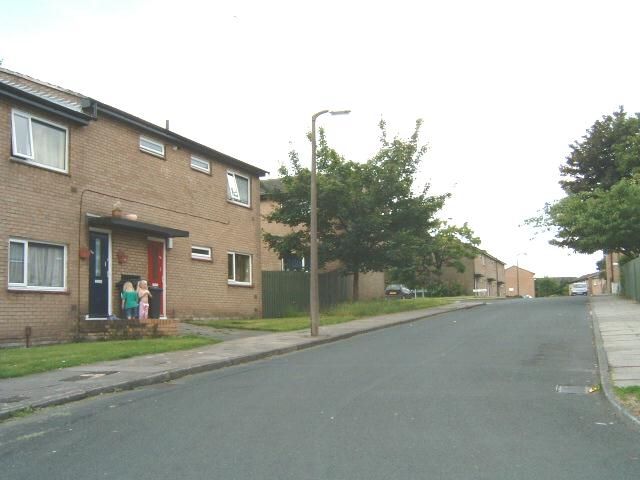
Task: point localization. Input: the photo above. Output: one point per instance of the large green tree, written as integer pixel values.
(601, 178)
(369, 214)
(600, 220)
(607, 153)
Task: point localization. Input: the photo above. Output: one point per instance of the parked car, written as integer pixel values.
(397, 291)
(578, 288)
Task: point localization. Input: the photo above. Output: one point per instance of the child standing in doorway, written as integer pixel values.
(143, 297)
(129, 300)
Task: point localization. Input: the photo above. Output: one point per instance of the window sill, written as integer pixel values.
(231, 283)
(37, 290)
(240, 204)
(153, 154)
(30, 163)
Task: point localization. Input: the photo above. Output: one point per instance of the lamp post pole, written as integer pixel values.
(517, 276)
(314, 296)
(518, 272)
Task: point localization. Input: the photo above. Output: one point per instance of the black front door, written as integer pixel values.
(99, 275)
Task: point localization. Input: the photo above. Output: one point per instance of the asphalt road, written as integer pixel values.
(466, 395)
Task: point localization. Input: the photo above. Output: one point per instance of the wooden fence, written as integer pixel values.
(631, 279)
(284, 293)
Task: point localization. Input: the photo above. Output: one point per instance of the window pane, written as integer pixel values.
(243, 189)
(232, 191)
(201, 252)
(243, 268)
(200, 164)
(97, 259)
(293, 264)
(49, 145)
(21, 132)
(151, 146)
(230, 266)
(16, 262)
(45, 265)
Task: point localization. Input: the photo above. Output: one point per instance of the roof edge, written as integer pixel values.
(44, 104)
(176, 138)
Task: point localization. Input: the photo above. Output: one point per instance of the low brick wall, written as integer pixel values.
(114, 329)
(163, 328)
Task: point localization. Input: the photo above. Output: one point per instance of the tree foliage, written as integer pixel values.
(600, 220)
(443, 246)
(369, 216)
(608, 152)
(547, 287)
(601, 178)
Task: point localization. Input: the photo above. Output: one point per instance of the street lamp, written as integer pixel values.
(518, 272)
(314, 297)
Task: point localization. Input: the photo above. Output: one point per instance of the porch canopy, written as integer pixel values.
(134, 225)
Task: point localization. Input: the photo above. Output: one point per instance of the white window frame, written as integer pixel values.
(158, 153)
(233, 193)
(201, 256)
(233, 281)
(30, 159)
(25, 274)
(200, 168)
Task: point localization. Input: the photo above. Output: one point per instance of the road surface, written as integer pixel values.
(477, 394)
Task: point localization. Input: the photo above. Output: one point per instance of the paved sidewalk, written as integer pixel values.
(75, 383)
(619, 324)
(616, 328)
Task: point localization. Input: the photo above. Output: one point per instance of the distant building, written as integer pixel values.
(520, 282)
(483, 275)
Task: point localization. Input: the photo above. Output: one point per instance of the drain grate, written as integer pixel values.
(573, 390)
(88, 376)
(14, 399)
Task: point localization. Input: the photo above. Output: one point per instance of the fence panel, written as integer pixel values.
(284, 293)
(631, 279)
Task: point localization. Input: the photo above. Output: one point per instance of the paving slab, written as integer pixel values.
(616, 323)
(75, 383)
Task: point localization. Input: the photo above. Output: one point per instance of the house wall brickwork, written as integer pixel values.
(105, 165)
(520, 282)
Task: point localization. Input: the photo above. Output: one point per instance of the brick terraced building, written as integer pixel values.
(92, 195)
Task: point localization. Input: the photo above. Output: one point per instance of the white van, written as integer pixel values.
(578, 288)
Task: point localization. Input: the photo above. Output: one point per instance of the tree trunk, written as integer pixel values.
(356, 286)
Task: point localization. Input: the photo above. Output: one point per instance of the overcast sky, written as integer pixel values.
(503, 87)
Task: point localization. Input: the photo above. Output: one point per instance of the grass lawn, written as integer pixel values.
(342, 313)
(16, 362)
(630, 398)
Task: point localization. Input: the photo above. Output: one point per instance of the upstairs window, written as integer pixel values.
(200, 164)
(152, 147)
(39, 142)
(237, 188)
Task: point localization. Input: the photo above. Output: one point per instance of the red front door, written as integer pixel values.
(155, 275)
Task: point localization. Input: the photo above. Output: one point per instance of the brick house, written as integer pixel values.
(67, 162)
(371, 284)
(520, 282)
(483, 276)
(612, 273)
